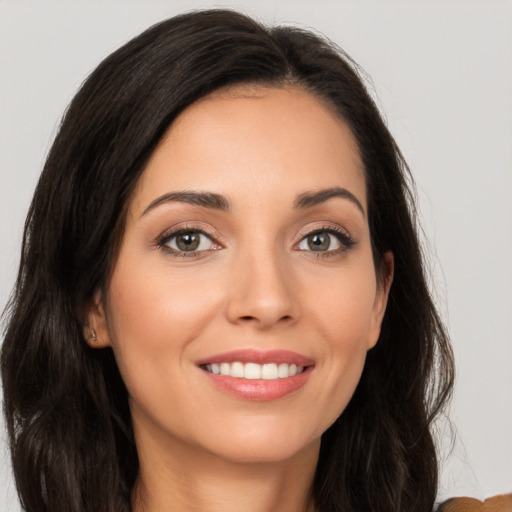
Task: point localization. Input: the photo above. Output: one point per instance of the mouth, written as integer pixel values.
(253, 371)
(256, 375)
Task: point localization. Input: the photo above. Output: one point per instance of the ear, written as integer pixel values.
(384, 281)
(96, 331)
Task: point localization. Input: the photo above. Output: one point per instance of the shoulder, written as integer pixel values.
(500, 503)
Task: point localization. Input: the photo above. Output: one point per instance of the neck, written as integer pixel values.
(185, 479)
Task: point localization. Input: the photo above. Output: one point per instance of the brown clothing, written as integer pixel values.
(501, 503)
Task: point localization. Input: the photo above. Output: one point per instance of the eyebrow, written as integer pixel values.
(308, 199)
(220, 202)
(206, 199)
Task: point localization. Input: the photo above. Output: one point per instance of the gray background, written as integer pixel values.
(443, 76)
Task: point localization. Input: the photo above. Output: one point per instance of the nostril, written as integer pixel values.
(248, 317)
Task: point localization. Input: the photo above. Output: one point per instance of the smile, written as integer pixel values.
(253, 371)
(257, 375)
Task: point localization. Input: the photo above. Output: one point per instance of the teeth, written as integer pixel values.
(252, 371)
(237, 370)
(283, 371)
(269, 371)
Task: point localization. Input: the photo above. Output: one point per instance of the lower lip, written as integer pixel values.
(260, 390)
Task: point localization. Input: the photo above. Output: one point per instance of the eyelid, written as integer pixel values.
(161, 241)
(173, 231)
(344, 237)
(324, 227)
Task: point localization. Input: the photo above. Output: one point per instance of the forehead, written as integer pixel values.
(262, 140)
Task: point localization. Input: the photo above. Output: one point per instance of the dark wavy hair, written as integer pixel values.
(65, 404)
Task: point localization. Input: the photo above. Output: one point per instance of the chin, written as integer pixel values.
(263, 445)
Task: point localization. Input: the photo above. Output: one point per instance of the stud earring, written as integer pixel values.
(92, 336)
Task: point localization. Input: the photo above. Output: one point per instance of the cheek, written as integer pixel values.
(343, 316)
(152, 302)
(153, 316)
(343, 306)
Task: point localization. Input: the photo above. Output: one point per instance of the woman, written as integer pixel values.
(221, 302)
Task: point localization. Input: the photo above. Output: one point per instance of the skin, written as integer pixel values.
(258, 284)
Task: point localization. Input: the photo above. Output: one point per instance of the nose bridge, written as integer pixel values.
(261, 285)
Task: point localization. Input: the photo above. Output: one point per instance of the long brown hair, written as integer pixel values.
(66, 406)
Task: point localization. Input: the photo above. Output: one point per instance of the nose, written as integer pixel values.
(261, 291)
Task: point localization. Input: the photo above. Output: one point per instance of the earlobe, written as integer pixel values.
(384, 282)
(96, 332)
(91, 337)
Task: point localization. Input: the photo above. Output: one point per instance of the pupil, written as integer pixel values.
(319, 242)
(188, 241)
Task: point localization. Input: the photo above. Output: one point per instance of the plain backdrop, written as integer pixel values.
(442, 75)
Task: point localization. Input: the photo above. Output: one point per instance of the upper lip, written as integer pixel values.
(258, 356)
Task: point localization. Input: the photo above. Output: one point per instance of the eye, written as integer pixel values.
(189, 241)
(326, 240)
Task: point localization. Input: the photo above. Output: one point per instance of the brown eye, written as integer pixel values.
(319, 241)
(328, 240)
(188, 241)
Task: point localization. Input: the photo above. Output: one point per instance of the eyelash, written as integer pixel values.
(343, 237)
(164, 239)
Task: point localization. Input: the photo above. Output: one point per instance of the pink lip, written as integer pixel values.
(259, 390)
(258, 356)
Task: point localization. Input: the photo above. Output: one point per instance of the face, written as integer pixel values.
(244, 298)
